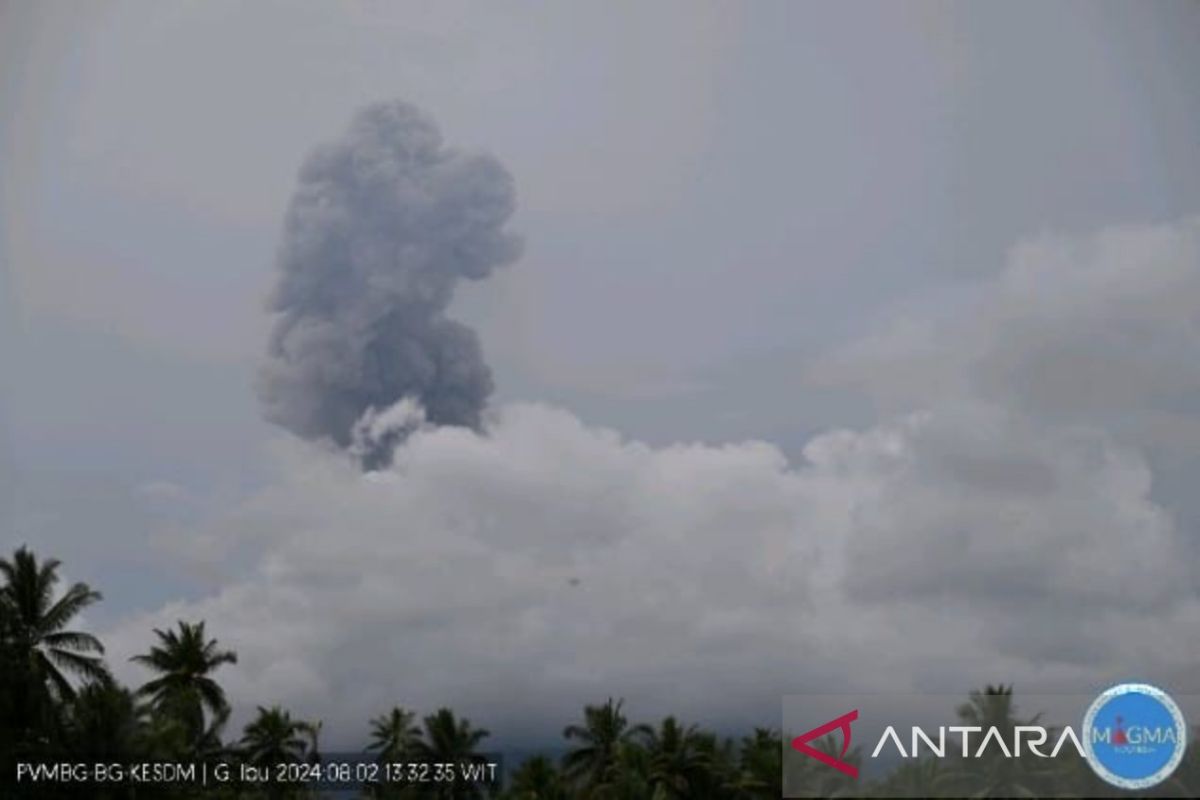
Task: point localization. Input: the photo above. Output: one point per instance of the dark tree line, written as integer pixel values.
(59, 702)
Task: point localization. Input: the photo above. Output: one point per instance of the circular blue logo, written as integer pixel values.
(1134, 736)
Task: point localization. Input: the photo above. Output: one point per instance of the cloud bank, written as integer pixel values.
(996, 530)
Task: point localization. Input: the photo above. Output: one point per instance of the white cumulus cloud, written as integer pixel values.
(983, 533)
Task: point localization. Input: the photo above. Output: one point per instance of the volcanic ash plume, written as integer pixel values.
(383, 224)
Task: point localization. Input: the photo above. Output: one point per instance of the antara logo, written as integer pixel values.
(1034, 737)
(801, 743)
(1028, 738)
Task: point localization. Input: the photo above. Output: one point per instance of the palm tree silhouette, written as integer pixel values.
(184, 660)
(273, 737)
(1186, 780)
(603, 733)
(678, 763)
(43, 652)
(760, 768)
(209, 745)
(825, 782)
(394, 735)
(451, 740)
(923, 777)
(994, 774)
(537, 779)
(627, 779)
(105, 724)
(313, 731)
(993, 707)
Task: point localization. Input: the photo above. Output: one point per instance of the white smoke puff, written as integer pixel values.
(379, 432)
(383, 224)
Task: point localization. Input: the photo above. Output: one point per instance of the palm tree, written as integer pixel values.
(313, 731)
(450, 740)
(537, 779)
(42, 652)
(921, 778)
(1072, 776)
(825, 782)
(394, 735)
(760, 765)
(993, 707)
(105, 724)
(679, 764)
(998, 776)
(993, 774)
(627, 779)
(11, 696)
(209, 745)
(274, 738)
(602, 734)
(720, 773)
(1186, 780)
(184, 660)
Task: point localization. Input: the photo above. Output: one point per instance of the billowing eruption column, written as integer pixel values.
(382, 225)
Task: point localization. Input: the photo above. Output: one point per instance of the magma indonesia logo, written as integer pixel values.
(1134, 736)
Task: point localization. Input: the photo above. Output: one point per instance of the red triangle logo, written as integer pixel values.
(801, 743)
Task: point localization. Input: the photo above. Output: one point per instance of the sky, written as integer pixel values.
(843, 335)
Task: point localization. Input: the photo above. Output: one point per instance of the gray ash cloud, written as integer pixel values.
(384, 223)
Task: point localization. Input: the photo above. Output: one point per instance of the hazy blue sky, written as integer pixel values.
(942, 256)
